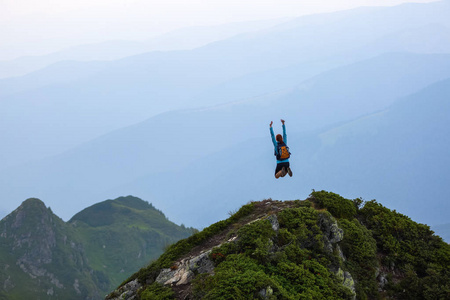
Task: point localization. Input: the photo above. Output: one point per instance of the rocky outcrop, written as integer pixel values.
(127, 291)
(274, 221)
(266, 293)
(347, 280)
(331, 231)
(185, 270)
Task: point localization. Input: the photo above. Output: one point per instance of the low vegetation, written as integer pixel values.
(326, 247)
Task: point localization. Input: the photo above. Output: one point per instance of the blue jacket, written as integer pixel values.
(275, 143)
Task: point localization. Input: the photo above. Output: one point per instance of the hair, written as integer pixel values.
(279, 138)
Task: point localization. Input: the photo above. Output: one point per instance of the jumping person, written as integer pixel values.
(281, 152)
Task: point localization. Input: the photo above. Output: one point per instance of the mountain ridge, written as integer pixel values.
(43, 256)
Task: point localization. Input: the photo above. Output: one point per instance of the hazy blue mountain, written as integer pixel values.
(403, 150)
(43, 257)
(399, 154)
(430, 38)
(50, 76)
(181, 39)
(329, 93)
(157, 149)
(72, 103)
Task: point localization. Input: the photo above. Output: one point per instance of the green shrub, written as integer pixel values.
(254, 234)
(360, 249)
(157, 291)
(296, 218)
(238, 277)
(413, 249)
(337, 205)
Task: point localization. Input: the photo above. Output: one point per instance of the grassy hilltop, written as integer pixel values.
(326, 247)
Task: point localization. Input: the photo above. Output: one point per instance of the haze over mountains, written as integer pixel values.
(102, 97)
(364, 93)
(181, 39)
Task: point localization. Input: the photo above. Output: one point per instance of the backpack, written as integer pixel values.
(283, 151)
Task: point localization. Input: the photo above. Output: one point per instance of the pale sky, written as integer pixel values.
(27, 24)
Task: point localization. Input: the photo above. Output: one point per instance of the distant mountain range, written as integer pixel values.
(363, 92)
(44, 257)
(130, 159)
(181, 39)
(72, 102)
(398, 154)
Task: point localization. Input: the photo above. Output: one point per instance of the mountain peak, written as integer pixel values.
(29, 212)
(134, 202)
(108, 212)
(32, 203)
(323, 247)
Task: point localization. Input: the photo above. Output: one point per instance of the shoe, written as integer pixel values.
(289, 172)
(279, 174)
(283, 172)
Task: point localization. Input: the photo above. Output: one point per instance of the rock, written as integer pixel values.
(202, 263)
(127, 291)
(165, 275)
(328, 246)
(274, 221)
(186, 277)
(382, 280)
(349, 283)
(336, 233)
(331, 231)
(266, 293)
(340, 253)
(340, 274)
(347, 280)
(185, 270)
(8, 284)
(234, 238)
(76, 286)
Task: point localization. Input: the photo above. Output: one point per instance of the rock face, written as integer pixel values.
(40, 242)
(266, 293)
(274, 221)
(185, 270)
(332, 233)
(127, 291)
(347, 280)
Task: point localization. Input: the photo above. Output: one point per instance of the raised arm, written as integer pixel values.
(284, 132)
(272, 134)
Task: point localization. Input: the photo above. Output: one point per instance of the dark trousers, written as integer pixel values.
(281, 166)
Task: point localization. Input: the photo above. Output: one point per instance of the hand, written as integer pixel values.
(282, 121)
(271, 122)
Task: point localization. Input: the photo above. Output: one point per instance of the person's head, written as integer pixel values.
(279, 138)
